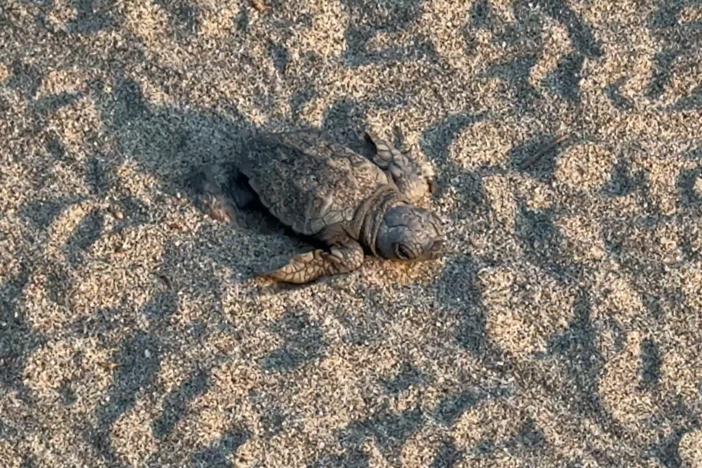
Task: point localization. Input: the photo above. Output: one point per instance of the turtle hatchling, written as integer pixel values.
(337, 197)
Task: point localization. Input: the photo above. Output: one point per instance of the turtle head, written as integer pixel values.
(409, 233)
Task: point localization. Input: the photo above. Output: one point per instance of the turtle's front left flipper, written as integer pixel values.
(309, 266)
(414, 176)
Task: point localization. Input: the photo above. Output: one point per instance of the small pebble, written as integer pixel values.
(116, 213)
(259, 5)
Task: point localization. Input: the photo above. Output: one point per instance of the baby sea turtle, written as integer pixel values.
(333, 195)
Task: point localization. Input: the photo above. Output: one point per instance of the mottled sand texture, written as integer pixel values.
(562, 329)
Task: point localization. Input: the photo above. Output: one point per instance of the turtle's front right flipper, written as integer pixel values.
(310, 266)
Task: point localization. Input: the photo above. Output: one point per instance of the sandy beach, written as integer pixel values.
(563, 327)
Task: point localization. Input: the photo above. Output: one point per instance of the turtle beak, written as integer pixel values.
(437, 249)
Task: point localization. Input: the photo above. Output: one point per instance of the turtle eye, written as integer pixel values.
(403, 252)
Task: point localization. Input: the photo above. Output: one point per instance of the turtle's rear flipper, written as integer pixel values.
(240, 190)
(211, 197)
(310, 266)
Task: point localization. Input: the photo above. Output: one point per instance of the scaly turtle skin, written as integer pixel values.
(339, 197)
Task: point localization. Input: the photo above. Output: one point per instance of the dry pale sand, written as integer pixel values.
(563, 329)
